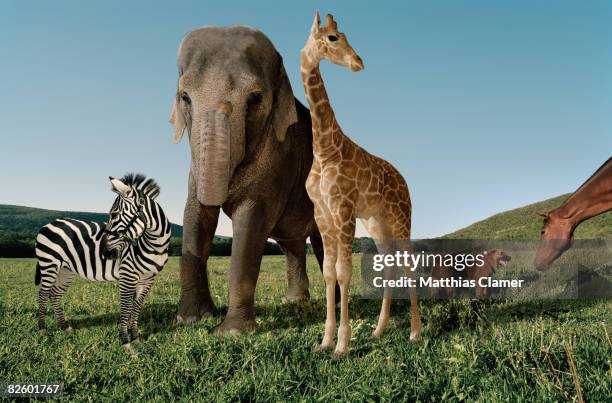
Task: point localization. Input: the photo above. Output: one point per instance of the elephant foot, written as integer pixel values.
(295, 297)
(189, 320)
(193, 308)
(236, 326)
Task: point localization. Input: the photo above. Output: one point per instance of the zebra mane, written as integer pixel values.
(148, 187)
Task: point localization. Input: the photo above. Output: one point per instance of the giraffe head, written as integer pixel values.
(327, 43)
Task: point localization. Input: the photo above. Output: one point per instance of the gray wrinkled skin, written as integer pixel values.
(232, 83)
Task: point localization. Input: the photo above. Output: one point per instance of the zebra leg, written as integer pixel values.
(64, 278)
(142, 289)
(43, 294)
(127, 288)
(47, 281)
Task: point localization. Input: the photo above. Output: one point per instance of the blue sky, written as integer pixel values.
(483, 106)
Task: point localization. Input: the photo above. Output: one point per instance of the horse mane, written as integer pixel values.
(148, 187)
(569, 199)
(595, 173)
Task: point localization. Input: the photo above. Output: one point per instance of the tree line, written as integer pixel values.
(19, 226)
(17, 245)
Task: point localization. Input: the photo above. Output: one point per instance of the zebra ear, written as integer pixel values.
(119, 187)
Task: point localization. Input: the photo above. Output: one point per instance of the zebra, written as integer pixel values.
(132, 248)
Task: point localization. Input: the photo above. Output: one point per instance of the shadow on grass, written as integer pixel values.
(447, 316)
(508, 310)
(154, 318)
(439, 316)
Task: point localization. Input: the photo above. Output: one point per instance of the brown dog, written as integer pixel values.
(493, 259)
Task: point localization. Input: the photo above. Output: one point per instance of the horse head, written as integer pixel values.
(555, 238)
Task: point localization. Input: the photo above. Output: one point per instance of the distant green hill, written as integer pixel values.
(524, 223)
(19, 226)
(28, 220)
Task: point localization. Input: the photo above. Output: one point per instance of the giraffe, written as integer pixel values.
(348, 183)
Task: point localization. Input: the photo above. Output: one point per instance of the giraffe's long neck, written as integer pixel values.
(321, 112)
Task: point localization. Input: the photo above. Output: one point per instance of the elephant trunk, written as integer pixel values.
(214, 159)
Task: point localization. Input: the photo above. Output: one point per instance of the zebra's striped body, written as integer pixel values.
(77, 246)
(138, 234)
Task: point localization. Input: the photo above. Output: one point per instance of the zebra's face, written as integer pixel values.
(126, 222)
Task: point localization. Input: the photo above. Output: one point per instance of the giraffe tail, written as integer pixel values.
(37, 276)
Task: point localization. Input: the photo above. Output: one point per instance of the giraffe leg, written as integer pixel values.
(344, 269)
(317, 247)
(329, 274)
(415, 317)
(64, 278)
(382, 235)
(344, 221)
(142, 289)
(384, 247)
(385, 307)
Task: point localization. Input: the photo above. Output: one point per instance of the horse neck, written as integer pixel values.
(594, 197)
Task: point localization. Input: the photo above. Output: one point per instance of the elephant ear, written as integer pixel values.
(284, 112)
(178, 120)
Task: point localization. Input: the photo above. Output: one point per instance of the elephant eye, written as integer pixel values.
(186, 98)
(255, 98)
(332, 38)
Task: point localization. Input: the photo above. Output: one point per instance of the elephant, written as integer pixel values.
(251, 152)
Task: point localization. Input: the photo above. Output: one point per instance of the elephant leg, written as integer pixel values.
(250, 231)
(199, 225)
(297, 278)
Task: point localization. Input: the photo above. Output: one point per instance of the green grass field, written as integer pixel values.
(487, 350)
